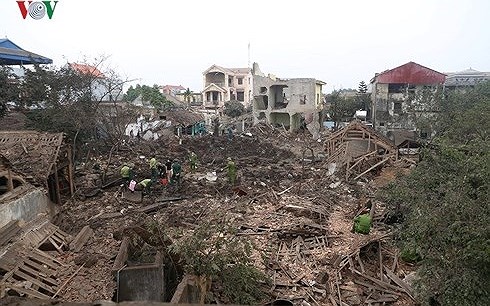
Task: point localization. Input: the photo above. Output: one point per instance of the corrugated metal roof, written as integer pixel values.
(411, 73)
(11, 54)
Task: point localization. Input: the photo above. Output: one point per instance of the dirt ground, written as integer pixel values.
(298, 218)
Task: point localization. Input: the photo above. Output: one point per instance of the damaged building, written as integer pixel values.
(402, 96)
(42, 159)
(358, 149)
(223, 85)
(19, 199)
(293, 103)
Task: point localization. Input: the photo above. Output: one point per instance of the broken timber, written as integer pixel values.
(357, 147)
(160, 204)
(81, 238)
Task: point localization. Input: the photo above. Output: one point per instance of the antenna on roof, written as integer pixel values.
(248, 54)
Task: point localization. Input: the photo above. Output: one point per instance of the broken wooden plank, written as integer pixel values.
(395, 262)
(122, 255)
(111, 215)
(31, 279)
(53, 242)
(9, 231)
(39, 273)
(81, 238)
(380, 261)
(332, 300)
(382, 299)
(285, 190)
(376, 287)
(113, 183)
(379, 282)
(160, 204)
(399, 282)
(45, 258)
(43, 269)
(29, 292)
(67, 281)
(358, 258)
(373, 167)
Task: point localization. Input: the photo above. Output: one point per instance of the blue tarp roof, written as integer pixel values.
(11, 54)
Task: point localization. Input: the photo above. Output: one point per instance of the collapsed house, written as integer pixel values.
(26, 267)
(43, 159)
(36, 170)
(359, 149)
(292, 103)
(402, 98)
(19, 199)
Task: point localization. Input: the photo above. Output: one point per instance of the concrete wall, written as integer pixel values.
(385, 118)
(141, 283)
(191, 290)
(26, 206)
(287, 98)
(221, 79)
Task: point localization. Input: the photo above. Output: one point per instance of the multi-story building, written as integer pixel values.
(222, 85)
(293, 103)
(465, 79)
(402, 99)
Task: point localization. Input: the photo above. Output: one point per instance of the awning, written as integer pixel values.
(11, 54)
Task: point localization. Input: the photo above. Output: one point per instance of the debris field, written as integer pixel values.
(297, 214)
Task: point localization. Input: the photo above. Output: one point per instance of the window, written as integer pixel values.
(396, 88)
(381, 124)
(397, 107)
(302, 100)
(240, 96)
(240, 81)
(263, 90)
(230, 81)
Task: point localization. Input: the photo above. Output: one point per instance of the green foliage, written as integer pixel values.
(362, 98)
(9, 91)
(409, 254)
(187, 95)
(342, 108)
(445, 205)
(213, 250)
(132, 93)
(234, 109)
(362, 89)
(150, 94)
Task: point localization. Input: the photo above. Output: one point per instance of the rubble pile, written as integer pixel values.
(297, 216)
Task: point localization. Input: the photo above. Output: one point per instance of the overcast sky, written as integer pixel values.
(339, 42)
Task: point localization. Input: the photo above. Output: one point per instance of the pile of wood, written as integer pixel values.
(359, 149)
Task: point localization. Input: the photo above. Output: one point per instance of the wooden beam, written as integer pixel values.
(10, 183)
(399, 282)
(57, 185)
(70, 170)
(373, 167)
(122, 255)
